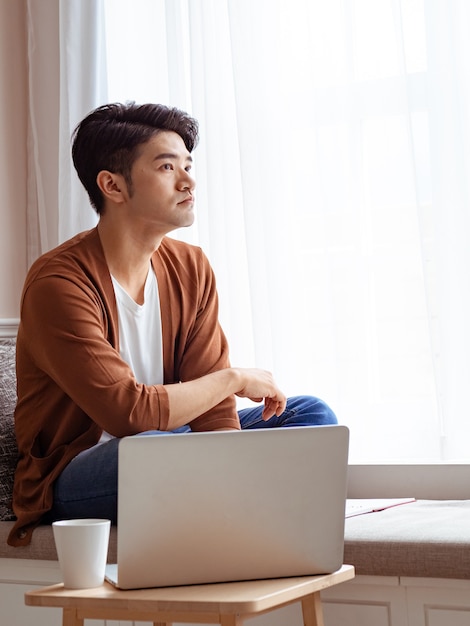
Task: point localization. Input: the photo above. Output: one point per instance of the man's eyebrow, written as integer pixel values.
(170, 155)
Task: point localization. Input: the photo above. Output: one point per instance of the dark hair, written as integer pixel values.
(108, 139)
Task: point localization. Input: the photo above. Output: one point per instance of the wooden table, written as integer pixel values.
(227, 604)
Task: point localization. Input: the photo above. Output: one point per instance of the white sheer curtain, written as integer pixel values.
(333, 184)
(42, 23)
(66, 79)
(83, 86)
(448, 29)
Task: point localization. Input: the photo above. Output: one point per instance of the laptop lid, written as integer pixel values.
(230, 505)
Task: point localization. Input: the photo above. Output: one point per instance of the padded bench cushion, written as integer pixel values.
(42, 545)
(427, 538)
(8, 448)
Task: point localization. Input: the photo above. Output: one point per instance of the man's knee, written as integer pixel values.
(310, 411)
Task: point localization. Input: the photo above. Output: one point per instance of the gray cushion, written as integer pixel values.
(8, 448)
(428, 538)
(42, 545)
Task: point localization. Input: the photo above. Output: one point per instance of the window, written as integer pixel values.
(332, 195)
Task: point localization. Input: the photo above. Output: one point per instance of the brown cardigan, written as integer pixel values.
(72, 382)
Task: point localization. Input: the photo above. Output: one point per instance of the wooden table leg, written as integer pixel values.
(312, 610)
(70, 617)
(231, 620)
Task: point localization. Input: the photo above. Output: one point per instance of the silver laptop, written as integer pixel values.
(230, 505)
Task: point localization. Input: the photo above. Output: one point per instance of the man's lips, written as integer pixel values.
(188, 199)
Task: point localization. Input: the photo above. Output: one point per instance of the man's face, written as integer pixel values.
(162, 192)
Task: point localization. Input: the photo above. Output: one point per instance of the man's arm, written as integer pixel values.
(190, 399)
(199, 351)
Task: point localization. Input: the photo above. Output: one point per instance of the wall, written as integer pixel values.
(13, 155)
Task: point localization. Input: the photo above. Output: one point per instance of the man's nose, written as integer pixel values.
(187, 181)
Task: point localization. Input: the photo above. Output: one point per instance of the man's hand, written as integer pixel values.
(258, 385)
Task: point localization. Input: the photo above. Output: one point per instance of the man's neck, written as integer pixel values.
(128, 256)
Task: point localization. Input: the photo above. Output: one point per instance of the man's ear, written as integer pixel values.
(112, 186)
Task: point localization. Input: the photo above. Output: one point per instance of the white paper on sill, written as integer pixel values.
(358, 506)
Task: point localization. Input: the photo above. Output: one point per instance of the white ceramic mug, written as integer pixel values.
(82, 548)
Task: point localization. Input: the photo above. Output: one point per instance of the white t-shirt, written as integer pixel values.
(140, 334)
(140, 331)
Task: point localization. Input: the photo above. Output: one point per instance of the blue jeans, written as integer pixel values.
(88, 485)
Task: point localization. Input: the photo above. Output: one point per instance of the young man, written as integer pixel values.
(119, 330)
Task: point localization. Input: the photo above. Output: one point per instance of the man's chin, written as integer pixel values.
(189, 220)
(186, 223)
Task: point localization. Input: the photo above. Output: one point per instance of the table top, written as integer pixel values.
(244, 597)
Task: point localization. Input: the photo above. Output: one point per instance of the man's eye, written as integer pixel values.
(167, 166)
